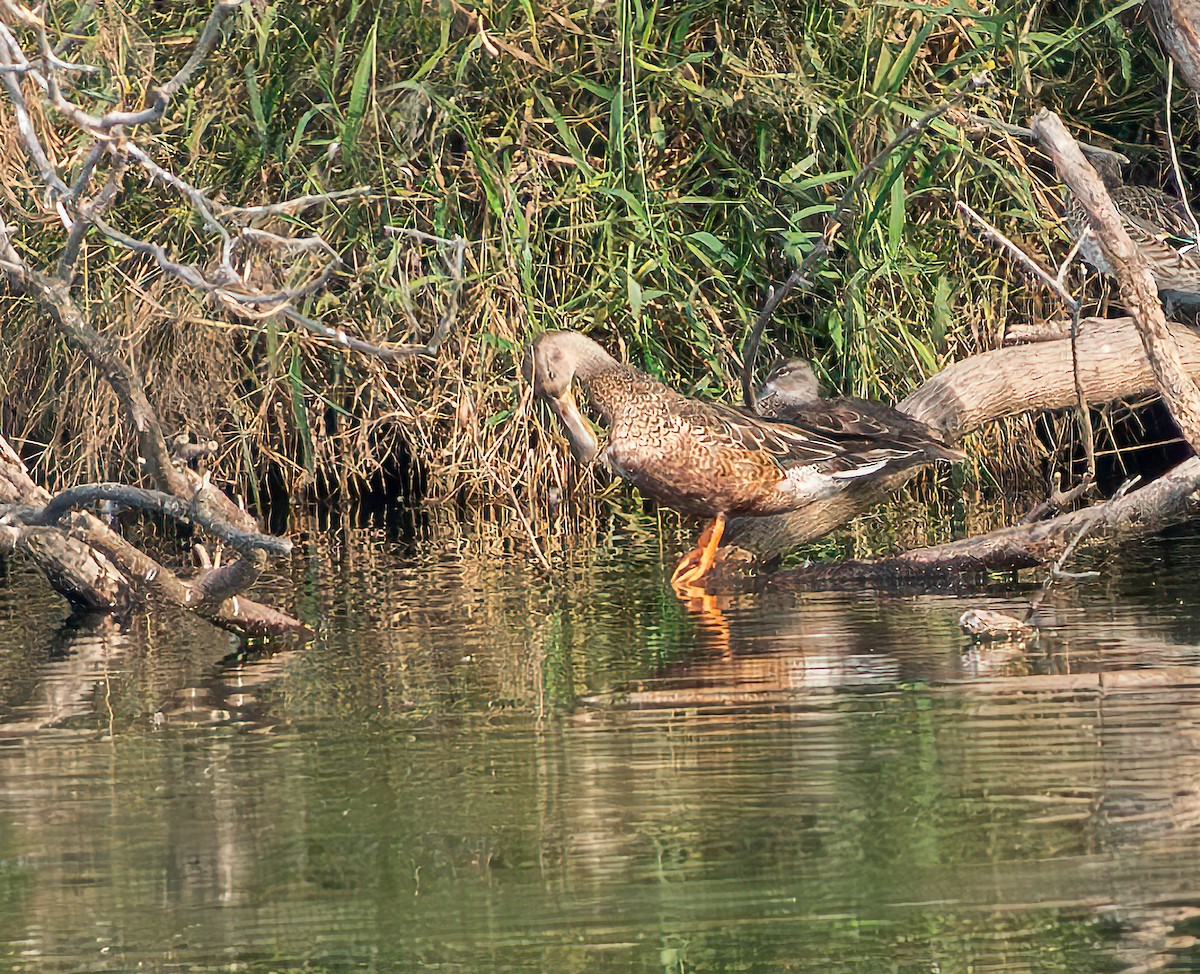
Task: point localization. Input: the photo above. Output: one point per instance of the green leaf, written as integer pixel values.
(359, 91)
(565, 133)
(300, 412)
(256, 106)
(896, 216)
(634, 290)
(709, 241)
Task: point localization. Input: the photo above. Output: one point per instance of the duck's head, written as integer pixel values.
(552, 363)
(793, 382)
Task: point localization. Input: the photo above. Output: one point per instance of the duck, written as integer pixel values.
(791, 390)
(788, 385)
(1160, 227)
(706, 458)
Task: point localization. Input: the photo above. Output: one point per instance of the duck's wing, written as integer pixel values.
(861, 419)
(843, 419)
(728, 428)
(1153, 215)
(811, 437)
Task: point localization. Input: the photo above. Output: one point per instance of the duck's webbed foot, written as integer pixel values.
(696, 563)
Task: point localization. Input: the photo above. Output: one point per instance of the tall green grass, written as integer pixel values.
(643, 171)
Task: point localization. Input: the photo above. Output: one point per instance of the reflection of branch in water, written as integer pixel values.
(83, 651)
(229, 693)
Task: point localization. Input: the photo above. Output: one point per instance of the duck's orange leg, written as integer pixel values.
(696, 563)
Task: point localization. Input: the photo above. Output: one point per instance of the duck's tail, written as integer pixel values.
(899, 455)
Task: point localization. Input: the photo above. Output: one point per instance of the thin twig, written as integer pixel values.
(29, 136)
(1180, 185)
(833, 226)
(339, 337)
(1108, 157)
(108, 192)
(1028, 262)
(1083, 412)
(1087, 523)
(288, 207)
(86, 170)
(532, 535)
(1055, 283)
(1058, 501)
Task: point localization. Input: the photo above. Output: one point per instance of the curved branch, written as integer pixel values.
(842, 212)
(159, 503)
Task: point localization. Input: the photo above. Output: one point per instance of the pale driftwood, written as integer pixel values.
(1033, 378)
(982, 389)
(83, 576)
(1027, 332)
(1177, 26)
(155, 501)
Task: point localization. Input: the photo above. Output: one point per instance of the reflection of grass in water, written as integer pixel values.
(462, 621)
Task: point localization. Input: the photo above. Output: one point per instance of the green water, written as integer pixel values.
(479, 767)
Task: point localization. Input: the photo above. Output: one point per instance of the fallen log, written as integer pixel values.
(1141, 354)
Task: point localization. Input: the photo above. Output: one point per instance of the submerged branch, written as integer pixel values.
(1169, 500)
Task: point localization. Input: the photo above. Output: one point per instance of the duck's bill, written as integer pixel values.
(583, 441)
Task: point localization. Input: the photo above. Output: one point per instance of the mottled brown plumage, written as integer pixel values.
(791, 393)
(1160, 228)
(703, 457)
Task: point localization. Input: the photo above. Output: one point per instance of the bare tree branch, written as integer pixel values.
(29, 136)
(1055, 283)
(1023, 258)
(842, 212)
(84, 557)
(1139, 292)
